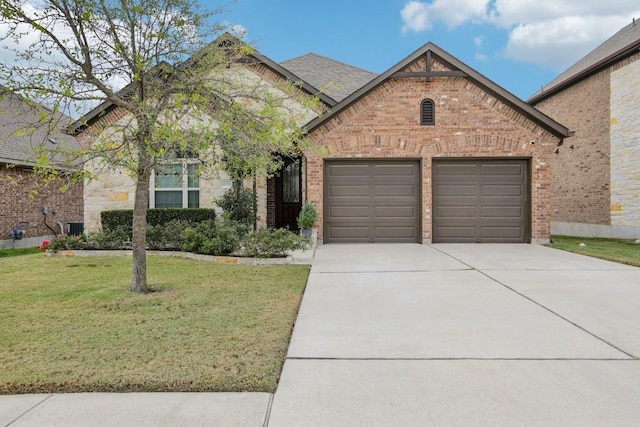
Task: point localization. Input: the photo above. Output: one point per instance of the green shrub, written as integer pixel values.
(273, 243)
(114, 219)
(166, 236)
(110, 239)
(194, 237)
(211, 238)
(307, 217)
(238, 206)
(67, 242)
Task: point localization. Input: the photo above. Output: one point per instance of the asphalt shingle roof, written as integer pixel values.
(336, 79)
(623, 39)
(25, 129)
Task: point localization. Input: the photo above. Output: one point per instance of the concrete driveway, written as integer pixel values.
(463, 335)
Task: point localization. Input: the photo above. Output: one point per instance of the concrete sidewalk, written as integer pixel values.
(451, 335)
(135, 409)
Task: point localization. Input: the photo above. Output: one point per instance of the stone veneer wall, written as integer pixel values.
(469, 123)
(625, 146)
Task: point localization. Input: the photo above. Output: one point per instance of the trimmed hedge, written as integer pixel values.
(123, 218)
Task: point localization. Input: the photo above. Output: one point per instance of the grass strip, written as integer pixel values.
(618, 250)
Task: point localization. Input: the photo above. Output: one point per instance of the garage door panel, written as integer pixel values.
(468, 169)
(499, 169)
(348, 190)
(394, 170)
(395, 234)
(502, 190)
(351, 212)
(338, 170)
(395, 212)
(491, 206)
(457, 190)
(502, 212)
(453, 211)
(389, 209)
(407, 190)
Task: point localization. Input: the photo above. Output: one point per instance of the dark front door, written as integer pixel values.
(288, 194)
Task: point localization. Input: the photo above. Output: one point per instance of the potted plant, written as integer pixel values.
(306, 219)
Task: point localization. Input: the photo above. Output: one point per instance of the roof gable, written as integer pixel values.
(456, 68)
(624, 43)
(254, 58)
(335, 78)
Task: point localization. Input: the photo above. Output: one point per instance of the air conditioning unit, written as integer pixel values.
(75, 228)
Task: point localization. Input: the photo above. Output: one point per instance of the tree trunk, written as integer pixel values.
(141, 202)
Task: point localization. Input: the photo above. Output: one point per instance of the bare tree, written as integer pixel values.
(177, 91)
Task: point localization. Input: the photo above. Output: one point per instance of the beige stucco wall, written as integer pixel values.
(625, 146)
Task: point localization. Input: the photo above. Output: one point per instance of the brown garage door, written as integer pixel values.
(372, 201)
(484, 201)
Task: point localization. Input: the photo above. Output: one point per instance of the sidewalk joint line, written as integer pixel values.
(267, 415)
(30, 409)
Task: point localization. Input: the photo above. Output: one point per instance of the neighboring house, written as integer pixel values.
(26, 133)
(429, 151)
(432, 151)
(596, 176)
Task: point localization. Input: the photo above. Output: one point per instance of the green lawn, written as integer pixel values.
(19, 251)
(71, 325)
(618, 250)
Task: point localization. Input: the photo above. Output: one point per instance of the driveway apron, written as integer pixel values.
(462, 334)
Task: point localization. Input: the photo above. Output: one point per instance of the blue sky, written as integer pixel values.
(519, 44)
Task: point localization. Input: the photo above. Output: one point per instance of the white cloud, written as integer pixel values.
(415, 17)
(551, 33)
(418, 16)
(479, 41)
(481, 57)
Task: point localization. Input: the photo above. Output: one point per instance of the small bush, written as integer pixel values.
(273, 243)
(167, 236)
(307, 217)
(67, 243)
(211, 238)
(109, 239)
(238, 206)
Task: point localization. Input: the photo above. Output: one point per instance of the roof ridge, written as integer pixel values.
(330, 59)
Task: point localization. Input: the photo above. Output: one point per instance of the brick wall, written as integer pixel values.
(581, 191)
(469, 123)
(19, 202)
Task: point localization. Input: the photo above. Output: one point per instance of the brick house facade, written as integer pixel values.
(474, 119)
(24, 131)
(596, 175)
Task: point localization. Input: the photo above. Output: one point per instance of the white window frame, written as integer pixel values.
(184, 188)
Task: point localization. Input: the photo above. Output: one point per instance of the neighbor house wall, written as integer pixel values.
(581, 169)
(22, 197)
(595, 190)
(469, 123)
(625, 146)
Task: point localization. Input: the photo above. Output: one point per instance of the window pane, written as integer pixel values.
(168, 199)
(192, 174)
(291, 183)
(169, 176)
(194, 199)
